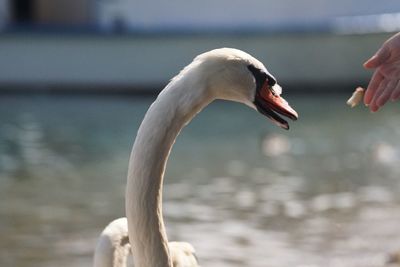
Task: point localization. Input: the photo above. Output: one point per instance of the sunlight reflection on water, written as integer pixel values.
(242, 191)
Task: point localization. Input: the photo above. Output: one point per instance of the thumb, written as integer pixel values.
(378, 59)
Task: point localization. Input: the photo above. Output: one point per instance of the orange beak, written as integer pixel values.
(270, 104)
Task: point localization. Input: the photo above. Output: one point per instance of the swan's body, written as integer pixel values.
(224, 73)
(113, 248)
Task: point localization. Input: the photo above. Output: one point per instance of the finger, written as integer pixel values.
(396, 93)
(387, 92)
(374, 105)
(372, 87)
(379, 58)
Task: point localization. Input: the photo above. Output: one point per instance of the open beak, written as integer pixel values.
(271, 104)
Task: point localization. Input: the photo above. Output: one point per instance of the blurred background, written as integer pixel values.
(77, 77)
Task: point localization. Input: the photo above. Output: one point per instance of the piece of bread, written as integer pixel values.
(356, 98)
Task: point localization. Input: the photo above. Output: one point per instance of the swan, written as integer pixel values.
(113, 248)
(225, 73)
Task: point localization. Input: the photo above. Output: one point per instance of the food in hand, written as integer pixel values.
(357, 96)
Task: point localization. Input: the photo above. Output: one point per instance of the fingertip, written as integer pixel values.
(378, 59)
(374, 109)
(371, 62)
(367, 65)
(367, 99)
(395, 97)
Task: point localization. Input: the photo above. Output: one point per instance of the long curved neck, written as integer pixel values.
(179, 102)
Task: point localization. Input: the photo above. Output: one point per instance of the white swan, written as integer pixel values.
(224, 73)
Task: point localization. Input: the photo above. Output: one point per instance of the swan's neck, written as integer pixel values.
(179, 102)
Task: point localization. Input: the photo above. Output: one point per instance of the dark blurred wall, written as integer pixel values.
(53, 12)
(63, 11)
(22, 11)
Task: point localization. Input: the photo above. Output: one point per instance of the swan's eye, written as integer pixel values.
(263, 79)
(271, 81)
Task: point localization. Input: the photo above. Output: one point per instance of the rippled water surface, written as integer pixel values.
(242, 191)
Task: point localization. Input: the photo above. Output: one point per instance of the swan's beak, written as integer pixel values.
(270, 104)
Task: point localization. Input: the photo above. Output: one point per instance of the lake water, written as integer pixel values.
(241, 190)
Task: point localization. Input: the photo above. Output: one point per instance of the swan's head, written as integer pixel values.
(235, 75)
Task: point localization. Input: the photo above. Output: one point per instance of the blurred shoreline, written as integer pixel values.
(143, 64)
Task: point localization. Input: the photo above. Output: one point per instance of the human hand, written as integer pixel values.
(385, 81)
